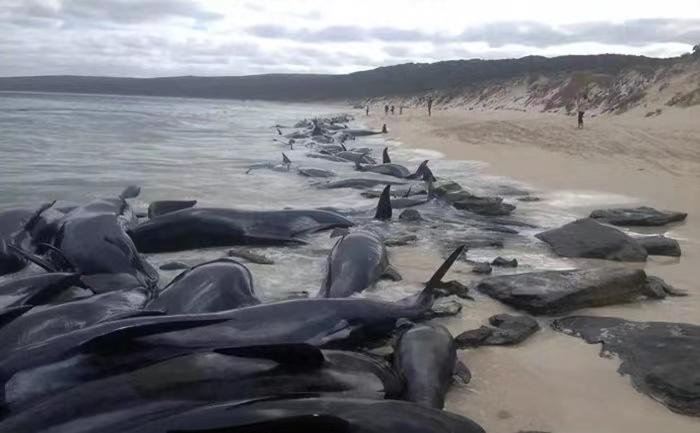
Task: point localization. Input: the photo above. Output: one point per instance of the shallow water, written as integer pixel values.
(77, 147)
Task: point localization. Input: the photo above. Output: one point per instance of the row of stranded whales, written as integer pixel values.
(91, 339)
(65, 360)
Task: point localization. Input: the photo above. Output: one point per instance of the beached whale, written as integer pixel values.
(356, 157)
(35, 289)
(315, 172)
(315, 414)
(395, 170)
(184, 382)
(316, 321)
(212, 227)
(222, 284)
(161, 207)
(359, 183)
(359, 259)
(44, 322)
(356, 262)
(425, 356)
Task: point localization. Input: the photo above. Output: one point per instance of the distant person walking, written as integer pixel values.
(430, 106)
(386, 110)
(581, 107)
(392, 110)
(367, 110)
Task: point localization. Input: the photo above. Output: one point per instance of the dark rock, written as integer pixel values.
(506, 263)
(475, 243)
(173, 266)
(511, 329)
(640, 216)
(444, 309)
(410, 215)
(507, 330)
(663, 359)
(482, 268)
(587, 238)
(456, 288)
(552, 292)
(657, 285)
(488, 206)
(473, 338)
(442, 188)
(529, 199)
(401, 240)
(660, 246)
(251, 257)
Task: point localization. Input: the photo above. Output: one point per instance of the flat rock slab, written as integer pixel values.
(639, 216)
(663, 359)
(552, 292)
(507, 329)
(587, 238)
(660, 246)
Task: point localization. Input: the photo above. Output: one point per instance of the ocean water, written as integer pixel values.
(77, 147)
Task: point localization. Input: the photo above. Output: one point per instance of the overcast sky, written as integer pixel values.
(147, 38)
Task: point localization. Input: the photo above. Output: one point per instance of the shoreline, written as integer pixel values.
(553, 382)
(618, 160)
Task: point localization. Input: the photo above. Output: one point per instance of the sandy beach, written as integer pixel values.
(553, 382)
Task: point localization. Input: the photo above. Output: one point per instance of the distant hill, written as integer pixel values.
(392, 80)
(446, 80)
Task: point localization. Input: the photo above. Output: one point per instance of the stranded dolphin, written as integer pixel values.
(219, 285)
(211, 227)
(359, 259)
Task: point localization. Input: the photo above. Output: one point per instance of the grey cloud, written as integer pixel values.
(634, 32)
(338, 34)
(87, 12)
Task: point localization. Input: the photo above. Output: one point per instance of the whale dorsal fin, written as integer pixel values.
(384, 206)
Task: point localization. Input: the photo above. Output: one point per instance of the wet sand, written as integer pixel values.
(553, 382)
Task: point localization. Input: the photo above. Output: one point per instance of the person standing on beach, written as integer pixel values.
(386, 110)
(392, 110)
(581, 106)
(430, 105)
(400, 110)
(367, 110)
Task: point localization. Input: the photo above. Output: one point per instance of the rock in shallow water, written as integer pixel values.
(505, 263)
(507, 329)
(660, 246)
(662, 358)
(482, 268)
(410, 215)
(454, 287)
(640, 216)
(587, 238)
(552, 292)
